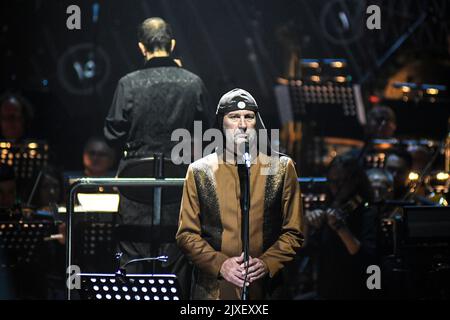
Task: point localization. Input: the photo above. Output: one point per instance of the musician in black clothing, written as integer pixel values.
(148, 105)
(342, 236)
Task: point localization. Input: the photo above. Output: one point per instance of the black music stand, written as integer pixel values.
(130, 287)
(322, 102)
(426, 249)
(427, 225)
(325, 109)
(27, 158)
(20, 241)
(96, 245)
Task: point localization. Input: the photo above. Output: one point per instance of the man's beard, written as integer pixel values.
(236, 141)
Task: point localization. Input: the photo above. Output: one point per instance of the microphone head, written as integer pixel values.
(247, 157)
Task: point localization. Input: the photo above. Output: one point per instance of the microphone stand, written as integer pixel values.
(122, 269)
(246, 219)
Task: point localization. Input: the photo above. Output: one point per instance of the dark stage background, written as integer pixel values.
(229, 43)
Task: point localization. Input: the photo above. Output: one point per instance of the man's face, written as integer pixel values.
(239, 127)
(97, 158)
(7, 193)
(398, 168)
(341, 186)
(381, 185)
(12, 121)
(380, 128)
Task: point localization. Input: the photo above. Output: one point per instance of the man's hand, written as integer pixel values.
(256, 269)
(315, 217)
(232, 271)
(335, 219)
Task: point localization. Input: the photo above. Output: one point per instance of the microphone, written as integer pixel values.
(246, 156)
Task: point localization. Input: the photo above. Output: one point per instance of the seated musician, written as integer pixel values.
(343, 235)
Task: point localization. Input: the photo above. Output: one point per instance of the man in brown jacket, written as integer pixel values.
(209, 230)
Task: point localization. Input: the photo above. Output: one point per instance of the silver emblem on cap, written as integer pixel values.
(241, 104)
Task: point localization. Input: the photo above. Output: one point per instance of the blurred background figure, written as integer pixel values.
(382, 183)
(399, 165)
(15, 117)
(341, 236)
(381, 123)
(98, 158)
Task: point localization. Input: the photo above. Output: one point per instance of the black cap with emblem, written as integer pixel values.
(237, 99)
(240, 99)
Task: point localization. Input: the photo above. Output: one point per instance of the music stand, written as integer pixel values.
(325, 109)
(26, 158)
(320, 102)
(137, 287)
(20, 241)
(97, 245)
(427, 225)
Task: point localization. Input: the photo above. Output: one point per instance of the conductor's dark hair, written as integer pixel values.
(155, 34)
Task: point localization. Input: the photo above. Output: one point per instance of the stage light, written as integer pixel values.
(340, 79)
(105, 202)
(337, 64)
(401, 85)
(432, 91)
(413, 176)
(315, 78)
(313, 65)
(406, 89)
(310, 63)
(442, 176)
(32, 145)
